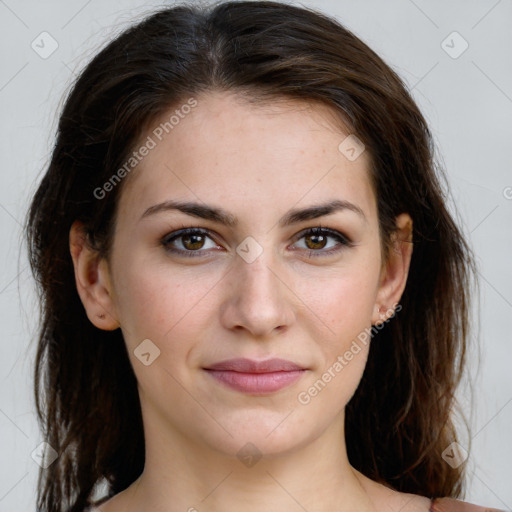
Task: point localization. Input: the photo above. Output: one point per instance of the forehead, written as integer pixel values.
(256, 158)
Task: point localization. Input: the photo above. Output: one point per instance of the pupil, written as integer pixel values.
(194, 240)
(318, 244)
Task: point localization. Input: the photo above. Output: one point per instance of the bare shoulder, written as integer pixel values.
(391, 499)
(410, 502)
(453, 505)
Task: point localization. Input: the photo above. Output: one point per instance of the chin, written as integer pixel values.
(257, 434)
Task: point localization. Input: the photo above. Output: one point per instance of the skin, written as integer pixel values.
(256, 162)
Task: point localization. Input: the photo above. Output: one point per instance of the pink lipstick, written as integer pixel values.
(250, 376)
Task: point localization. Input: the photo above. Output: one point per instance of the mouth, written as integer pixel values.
(256, 377)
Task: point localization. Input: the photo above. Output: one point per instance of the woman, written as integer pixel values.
(254, 295)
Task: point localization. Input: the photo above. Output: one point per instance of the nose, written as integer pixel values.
(258, 298)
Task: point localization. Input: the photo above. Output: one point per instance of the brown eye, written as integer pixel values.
(193, 242)
(188, 242)
(316, 239)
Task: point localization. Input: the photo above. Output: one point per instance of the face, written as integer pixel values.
(252, 279)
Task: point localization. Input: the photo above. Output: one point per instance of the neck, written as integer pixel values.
(182, 476)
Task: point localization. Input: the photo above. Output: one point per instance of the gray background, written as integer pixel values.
(467, 101)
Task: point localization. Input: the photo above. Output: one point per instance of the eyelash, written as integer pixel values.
(344, 241)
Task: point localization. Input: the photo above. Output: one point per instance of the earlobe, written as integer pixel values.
(394, 270)
(92, 280)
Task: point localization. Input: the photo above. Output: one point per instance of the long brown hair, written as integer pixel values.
(400, 419)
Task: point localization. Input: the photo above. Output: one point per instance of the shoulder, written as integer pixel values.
(453, 505)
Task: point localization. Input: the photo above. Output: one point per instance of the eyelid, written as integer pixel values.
(176, 234)
(324, 231)
(343, 239)
(344, 242)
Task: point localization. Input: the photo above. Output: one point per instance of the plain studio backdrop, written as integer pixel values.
(456, 58)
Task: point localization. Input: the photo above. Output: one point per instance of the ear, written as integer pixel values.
(92, 280)
(394, 270)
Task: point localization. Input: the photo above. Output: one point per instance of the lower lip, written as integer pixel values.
(256, 382)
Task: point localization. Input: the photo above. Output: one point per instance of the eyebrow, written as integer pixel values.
(221, 216)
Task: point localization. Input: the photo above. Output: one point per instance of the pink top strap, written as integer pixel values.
(453, 505)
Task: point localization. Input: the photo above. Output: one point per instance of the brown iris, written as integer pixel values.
(193, 242)
(318, 241)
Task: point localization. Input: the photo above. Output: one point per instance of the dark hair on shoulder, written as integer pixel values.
(399, 420)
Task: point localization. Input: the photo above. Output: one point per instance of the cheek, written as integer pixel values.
(169, 309)
(161, 303)
(342, 302)
(344, 305)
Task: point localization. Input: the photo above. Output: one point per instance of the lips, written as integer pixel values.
(252, 366)
(256, 377)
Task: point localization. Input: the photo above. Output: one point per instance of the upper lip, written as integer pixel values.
(243, 365)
